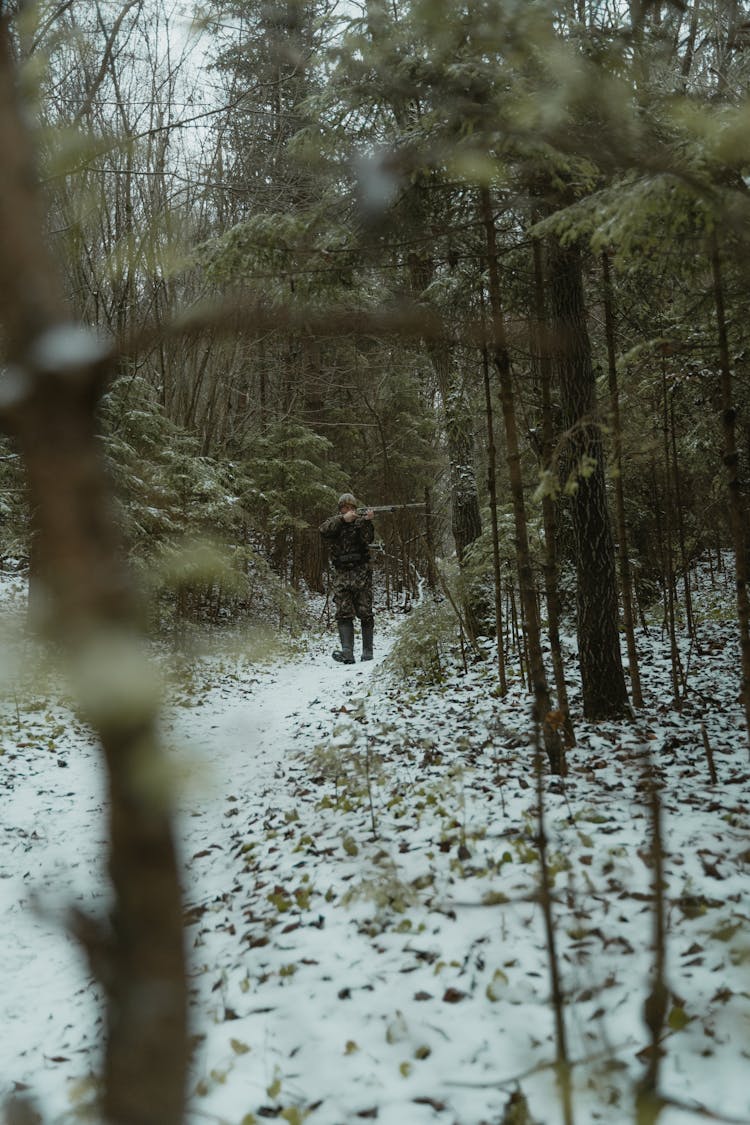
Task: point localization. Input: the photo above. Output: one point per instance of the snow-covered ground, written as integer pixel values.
(361, 879)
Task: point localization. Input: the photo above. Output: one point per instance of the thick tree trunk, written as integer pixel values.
(541, 356)
(602, 677)
(48, 396)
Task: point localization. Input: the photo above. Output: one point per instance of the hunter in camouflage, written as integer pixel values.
(348, 536)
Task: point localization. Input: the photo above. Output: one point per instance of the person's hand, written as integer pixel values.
(369, 514)
(349, 516)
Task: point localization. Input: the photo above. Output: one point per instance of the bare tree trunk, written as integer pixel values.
(429, 541)
(679, 507)
(538, 676)
(542, 357)
(492, 488)
(731, 459)
(669, 549)
(626, 581)
(687, 58)
(648, 1102)
(602, 677)
(48, 396)
(466, 523)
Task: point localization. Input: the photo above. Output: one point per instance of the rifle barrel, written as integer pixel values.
(388, 507)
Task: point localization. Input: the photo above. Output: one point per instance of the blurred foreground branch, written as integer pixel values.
(48, 395)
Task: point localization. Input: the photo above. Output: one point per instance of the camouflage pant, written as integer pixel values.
(352, 593)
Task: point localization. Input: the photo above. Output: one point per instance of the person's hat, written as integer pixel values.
(347, 501)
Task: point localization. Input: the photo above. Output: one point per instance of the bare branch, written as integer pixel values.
(106, 59)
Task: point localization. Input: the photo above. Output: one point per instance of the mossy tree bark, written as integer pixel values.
(542, 360)
(602, 677)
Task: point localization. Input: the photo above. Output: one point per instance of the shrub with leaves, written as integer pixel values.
(423, 643)
(189, 521)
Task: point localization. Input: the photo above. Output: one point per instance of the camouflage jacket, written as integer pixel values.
(348, 542)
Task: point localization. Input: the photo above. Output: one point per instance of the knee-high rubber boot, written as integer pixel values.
(346, 636)
(368, 628)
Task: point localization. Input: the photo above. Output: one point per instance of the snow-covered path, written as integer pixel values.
(241, 730)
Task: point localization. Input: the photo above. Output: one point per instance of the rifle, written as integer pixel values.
(387, 508)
